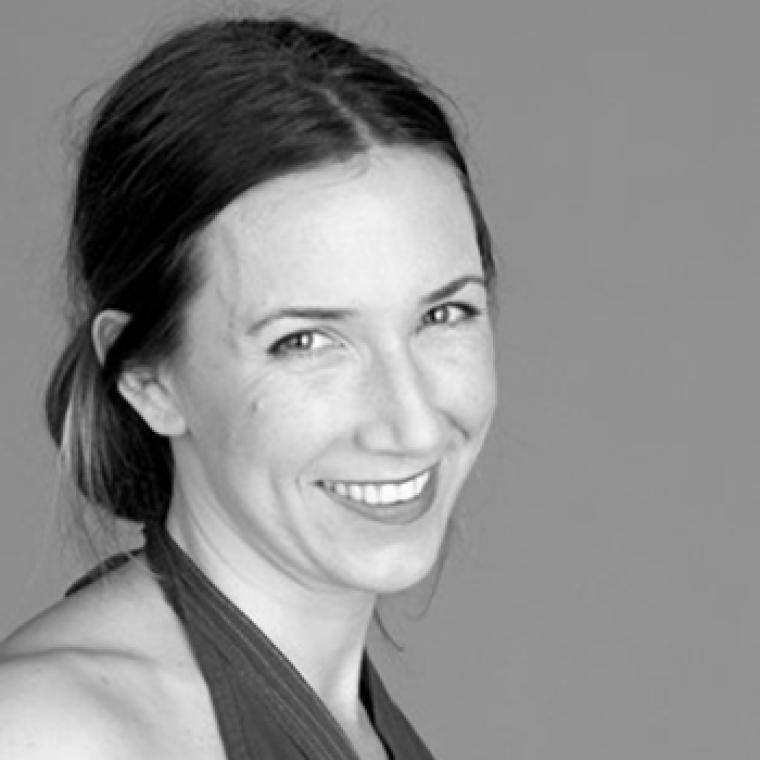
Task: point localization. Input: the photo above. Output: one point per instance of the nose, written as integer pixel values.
(401, 414)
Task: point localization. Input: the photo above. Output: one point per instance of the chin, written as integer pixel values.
(398, 567)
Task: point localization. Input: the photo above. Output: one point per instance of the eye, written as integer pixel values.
(301, 343)
(450, 314)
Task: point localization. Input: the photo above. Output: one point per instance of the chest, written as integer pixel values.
(177, 721)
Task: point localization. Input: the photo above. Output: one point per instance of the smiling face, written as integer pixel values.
(337, 378)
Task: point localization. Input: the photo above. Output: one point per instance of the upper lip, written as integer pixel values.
(371, 481)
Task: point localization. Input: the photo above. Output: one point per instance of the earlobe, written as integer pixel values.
(143, 388)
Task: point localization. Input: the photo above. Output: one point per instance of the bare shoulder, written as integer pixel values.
(50, 706)
(107, 613)
(89, 677)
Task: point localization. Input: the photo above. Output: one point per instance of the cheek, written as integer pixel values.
(221, 410)
(285, 422)
(465, 375)
(477, 398)
(486, 379)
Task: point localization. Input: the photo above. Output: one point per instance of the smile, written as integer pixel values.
(380, 493)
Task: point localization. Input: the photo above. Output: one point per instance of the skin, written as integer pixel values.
(393, 377)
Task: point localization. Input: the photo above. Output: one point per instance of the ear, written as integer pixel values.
(106, 328)
(147, 389)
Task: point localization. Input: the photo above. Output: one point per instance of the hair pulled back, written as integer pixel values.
(210, 112)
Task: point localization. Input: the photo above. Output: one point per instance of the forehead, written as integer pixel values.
(343, 231)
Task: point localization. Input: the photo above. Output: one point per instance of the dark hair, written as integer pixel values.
(210, 112)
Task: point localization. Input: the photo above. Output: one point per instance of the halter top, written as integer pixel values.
(264, 708)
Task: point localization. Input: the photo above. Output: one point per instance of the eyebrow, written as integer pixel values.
(453, 287)
(319, 313)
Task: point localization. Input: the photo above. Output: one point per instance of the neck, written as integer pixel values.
(322, 631)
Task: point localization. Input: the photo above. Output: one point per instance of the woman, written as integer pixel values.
(282, 365)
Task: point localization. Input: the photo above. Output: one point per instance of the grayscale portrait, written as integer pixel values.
(380, 380)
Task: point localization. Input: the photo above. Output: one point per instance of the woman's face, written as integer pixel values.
(337, 380)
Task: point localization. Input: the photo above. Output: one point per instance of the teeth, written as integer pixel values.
(420, 482)
(380, 493)
(407, 490)
(388, 493)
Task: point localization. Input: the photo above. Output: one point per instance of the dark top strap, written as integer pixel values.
(97, 572)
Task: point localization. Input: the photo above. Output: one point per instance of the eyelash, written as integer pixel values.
(466, 312)
(288, 345)
(293, 344)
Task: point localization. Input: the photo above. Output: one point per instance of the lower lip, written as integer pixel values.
(393, 514)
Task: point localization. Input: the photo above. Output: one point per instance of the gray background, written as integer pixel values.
(601, 601)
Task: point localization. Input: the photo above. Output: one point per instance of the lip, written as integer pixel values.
(393, 514)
